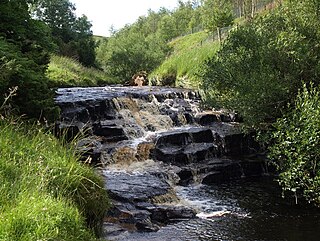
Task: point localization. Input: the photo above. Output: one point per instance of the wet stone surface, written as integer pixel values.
(147, 141)
(135, 187)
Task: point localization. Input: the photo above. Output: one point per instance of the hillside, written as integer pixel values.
(188, 54)
(65, 72)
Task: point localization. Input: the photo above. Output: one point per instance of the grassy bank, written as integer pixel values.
(189, 52)
(46, 194)
(66, 72)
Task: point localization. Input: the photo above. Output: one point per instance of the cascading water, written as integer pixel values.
(173, 170)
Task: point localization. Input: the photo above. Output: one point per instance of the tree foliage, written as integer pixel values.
(24, 46)
(129, 52)
(262, 65)
(217, 14)
(295, 146)
(72, 35)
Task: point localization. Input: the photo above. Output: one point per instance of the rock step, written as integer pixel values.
(132, 197)
(181, 155)
(185, 136)
(135, 187)
(221, 170)
(207, 118)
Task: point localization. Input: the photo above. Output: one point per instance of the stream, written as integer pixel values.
(175, 170)
(248, 210)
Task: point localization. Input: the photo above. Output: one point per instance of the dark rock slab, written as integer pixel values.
(165, 214)
(71, 95)
(179, 155)
(111, 133)
(128, 214)
(185, 136)
(135, 187)
(206, 119)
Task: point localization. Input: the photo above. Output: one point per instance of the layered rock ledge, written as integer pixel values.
(146, 140)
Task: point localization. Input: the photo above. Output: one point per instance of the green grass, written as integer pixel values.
(189, 53)
(66, 72)
(46, 194)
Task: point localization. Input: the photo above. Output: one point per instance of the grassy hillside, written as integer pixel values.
(46, 194)
(64, 72)
(189, 52)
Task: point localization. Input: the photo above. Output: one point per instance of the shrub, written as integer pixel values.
(263, 63)
(295, 146)
(33, 97)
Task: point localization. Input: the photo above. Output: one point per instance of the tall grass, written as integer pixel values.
(189, 52)
(46, 194)
(67, 72)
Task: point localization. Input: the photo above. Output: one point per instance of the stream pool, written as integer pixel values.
(248, 210)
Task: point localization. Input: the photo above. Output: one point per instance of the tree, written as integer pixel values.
(167, 28)
(85, 42)
(182, 16)
(129, 52)
(216, 15)
(72, 35)
(24, 46)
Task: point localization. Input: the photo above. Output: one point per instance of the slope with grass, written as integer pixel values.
(46, 194)
(66, 72)
(189, 53)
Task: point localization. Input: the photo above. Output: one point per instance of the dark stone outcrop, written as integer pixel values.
(186, 145)
(133, 196)
(135, 187)
(195, 145)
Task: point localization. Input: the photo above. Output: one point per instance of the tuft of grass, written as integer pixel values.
(67, 72)
(189, 53)
(46, 194)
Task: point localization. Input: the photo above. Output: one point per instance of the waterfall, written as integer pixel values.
(147, 141)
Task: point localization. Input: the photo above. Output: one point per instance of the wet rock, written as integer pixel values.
(206, 119)
(184, 146)
(127, 214)
(111, 133)
(186, 177)
(167, 214)
(119, 119)
(69, 131)
(135, 187)
(185, 136)
(114, 231)
(179, 155)
(232, 170)
(164, 214)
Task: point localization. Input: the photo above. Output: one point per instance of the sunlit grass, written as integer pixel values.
(46, 194)
(66, 72)
(189, 53)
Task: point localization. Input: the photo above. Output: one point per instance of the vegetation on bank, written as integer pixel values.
(66, 72)
(182, 67)
(295, 145)
(143, 45)
(268, 70)
(46, 193)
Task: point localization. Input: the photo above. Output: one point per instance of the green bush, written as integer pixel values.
(263, 63)
(33, 97)
(45, 192)
(295, 146)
